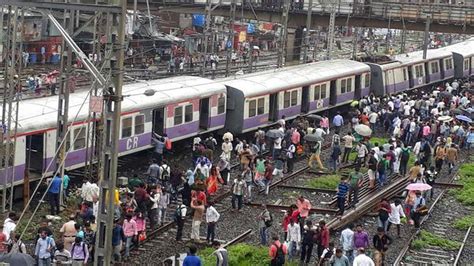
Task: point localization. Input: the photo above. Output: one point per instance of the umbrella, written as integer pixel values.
(363, 130)
(228, 136)
(418, 186)
(313, 138)
(464, 118)
(315, 117)
(446, 94)
(445, 118)
(355, 103)
(17, 259)
(275, 133)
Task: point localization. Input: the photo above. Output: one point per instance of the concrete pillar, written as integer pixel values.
(290, 45)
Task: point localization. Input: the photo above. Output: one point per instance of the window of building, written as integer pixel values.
(261, 106)
(188, 113)
(139, 124)
(286, 99)
(126, 127)
(317, 92)
(294, 98)
(367, 81)
(221, 105)
(343, 86)
(252, 108)
(178, 115)
(323, 91)
(349, 85)
(79, 138)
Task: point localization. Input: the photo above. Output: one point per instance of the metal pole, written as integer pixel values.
(230, 39)
(331, 26)
(306, 34)
(251, 58)
(283, 34)
(354, 43)
(149, 17)
(206, 33)
(427, 36)
(111, 117)
(63, 99)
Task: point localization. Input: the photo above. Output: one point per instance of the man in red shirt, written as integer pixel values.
(304, 206)
(3, 240)
(324, 238)
(277, 252)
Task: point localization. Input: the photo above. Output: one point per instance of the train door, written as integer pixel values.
(333, 93)
(410, 76)
(305, 99)
(273, 112)
(427, 72)
(441, 68)
(204, 113)
(159, 121)
(35, 153)
(358, 90)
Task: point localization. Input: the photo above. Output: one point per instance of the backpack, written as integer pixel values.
(165, 174)
(405, 156)
(381, 166)
(83, 249)
(168, 144)
(177, 213)
(328, 254)
(280, 255)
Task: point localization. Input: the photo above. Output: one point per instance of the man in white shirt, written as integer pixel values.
(226, 149)
(212, 216)
(347, 241)
(373, 120)
(276, 148)
(362, 259)
(9, 225)
(319, 132)
(293, 238)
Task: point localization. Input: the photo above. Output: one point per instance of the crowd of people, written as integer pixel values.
(424, 140)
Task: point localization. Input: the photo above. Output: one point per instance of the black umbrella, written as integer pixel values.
(17, 259)
(313, 138)
(275, 133)
(315, 117)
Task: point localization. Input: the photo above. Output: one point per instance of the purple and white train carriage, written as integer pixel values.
(463, 56)
(258, 100)
(180, 107)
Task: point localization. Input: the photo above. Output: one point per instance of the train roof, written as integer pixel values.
(466, 48)
(41, 113)
(417, 57)
(294, 76)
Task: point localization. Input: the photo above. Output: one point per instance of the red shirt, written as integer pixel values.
(286, 222)
(274, 247)
(3, 240)
(325, 237)
(294, 215)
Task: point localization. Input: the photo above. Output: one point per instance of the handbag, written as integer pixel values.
(423, 210)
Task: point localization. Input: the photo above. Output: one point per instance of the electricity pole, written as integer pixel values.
(331, 26)
(427, 36)
(206, 37)
(230, 39)
(111, 119)
(283, 33)
(306, 33)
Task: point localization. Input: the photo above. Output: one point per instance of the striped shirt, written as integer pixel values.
(342, 189)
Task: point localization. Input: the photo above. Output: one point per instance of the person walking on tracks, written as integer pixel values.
(315, 156)
(381, 241)
(198, 207)
(362, 259)
(310, 236)
(277, 252)
(356, 181)
(418, 209)
(395, 215)
(347, 241)
(212, 216)
(179, 217)
(342, 190)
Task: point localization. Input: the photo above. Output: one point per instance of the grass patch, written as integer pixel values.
(240, 254)
(426, 239)
(466, 194)
(464, 223)
(325, 182)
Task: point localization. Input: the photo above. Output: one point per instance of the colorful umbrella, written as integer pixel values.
(228, 136)
(363, 130)
(418, 186)
(464, 118)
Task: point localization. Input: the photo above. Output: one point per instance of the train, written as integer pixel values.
(185, 106)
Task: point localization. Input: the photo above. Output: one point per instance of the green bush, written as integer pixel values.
(324, 181)
(240, 254)
(426, 239)
(464, 223)
(466, 194)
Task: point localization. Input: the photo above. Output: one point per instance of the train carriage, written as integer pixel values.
(179, 107)
(258, 100)
(463, 56)
(389, 78)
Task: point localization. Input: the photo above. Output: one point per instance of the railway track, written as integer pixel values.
(434, 255)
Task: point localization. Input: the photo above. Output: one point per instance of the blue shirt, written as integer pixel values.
(66, 181)
(117, 235)
(42, 246)
(338, 121)
(342, 190)
(55, 185)
(192, 260)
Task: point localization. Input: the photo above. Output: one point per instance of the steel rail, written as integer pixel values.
(458, 256)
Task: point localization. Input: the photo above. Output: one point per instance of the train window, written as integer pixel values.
(349, 85)
(434, 67)
(79, 138)
(323, 91)
(466, 64)
(294, 98)
(367, 81)
(419, 71)
(261, 106)
(139, 124)
(404, 74)
(286, 99)
(178, 115)
(221, 105)
(188, 113)
(448, 63)
(252, 108)
(343, 86)
(317, 92)
(126, 127)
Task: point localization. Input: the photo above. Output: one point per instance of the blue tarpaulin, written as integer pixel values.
(250, 28)
(199, 20)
